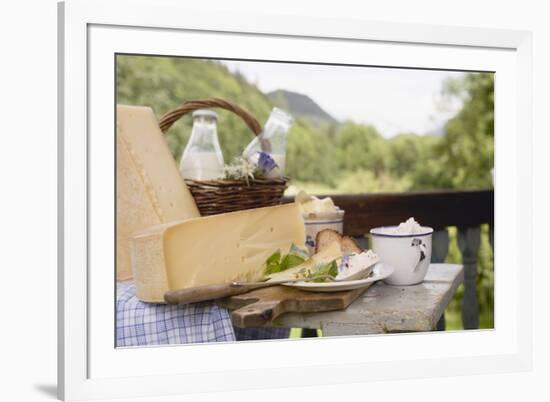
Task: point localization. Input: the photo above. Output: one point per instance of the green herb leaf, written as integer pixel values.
(273, 263)
(321, 270)
(290, 261)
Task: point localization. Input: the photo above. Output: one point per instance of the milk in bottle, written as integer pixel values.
(202, 158)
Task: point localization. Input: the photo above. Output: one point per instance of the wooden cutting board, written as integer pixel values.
(260, 307)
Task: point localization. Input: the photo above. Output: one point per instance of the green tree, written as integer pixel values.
(408, 151)
(365, 181)
(361, 147)
(464, 157)
(310, 155)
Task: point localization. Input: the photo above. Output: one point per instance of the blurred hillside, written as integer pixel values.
(301, 106)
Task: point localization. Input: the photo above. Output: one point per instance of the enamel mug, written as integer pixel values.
(408, 254)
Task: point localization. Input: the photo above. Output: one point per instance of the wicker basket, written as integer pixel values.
(220, 196)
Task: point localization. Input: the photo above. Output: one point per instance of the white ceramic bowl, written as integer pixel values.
(409, 255)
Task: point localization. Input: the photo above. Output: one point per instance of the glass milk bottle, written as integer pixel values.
(272, 140)
(202, 158)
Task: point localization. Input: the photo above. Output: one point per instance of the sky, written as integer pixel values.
(393, 100)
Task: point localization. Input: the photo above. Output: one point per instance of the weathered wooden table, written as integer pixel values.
(385, 308)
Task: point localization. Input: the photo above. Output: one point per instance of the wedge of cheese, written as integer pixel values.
(212, 250)
(149, 188)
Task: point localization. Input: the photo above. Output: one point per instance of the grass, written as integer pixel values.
(453, 320)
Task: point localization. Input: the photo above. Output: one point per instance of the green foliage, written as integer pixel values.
(409, 151)
(165, 82)
(365, 181)
(464, 156)
(361, 147)
(310, 155)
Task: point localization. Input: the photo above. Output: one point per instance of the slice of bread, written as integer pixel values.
(349, 245)
(326, 237)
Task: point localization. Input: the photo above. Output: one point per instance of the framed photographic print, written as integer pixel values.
(232, 185)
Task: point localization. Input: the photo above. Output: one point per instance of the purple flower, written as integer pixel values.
(266, 162)
(344, 263)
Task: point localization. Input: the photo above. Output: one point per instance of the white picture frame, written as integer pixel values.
(91, 32)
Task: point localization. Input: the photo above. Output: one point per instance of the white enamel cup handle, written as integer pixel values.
(421, 247)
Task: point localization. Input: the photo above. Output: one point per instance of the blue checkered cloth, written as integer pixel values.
(140, 324)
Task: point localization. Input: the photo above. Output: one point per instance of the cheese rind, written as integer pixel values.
(150, 190)
(212, 250)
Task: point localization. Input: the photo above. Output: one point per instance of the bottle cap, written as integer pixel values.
(205, 113)
(283, 115)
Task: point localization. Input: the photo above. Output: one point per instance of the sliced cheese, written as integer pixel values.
(150, 190)
(212, 250)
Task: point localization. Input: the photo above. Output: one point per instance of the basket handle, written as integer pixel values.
(188, 106)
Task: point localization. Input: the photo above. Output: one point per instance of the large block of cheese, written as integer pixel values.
(149, 188)
(212, 250)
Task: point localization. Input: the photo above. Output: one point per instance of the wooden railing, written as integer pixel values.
(466, 210)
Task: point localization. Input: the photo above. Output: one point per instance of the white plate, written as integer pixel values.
(380, 271)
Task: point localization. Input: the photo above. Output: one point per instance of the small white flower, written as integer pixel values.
(248, 167)
(242, 169)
